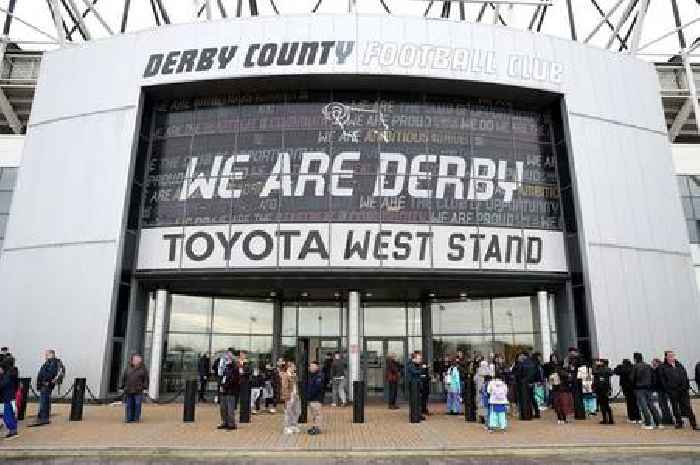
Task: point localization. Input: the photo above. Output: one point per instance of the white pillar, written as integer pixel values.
(545, 332)
(354, 338)
(157, 343)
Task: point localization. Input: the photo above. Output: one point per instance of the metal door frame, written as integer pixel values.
(385, 345)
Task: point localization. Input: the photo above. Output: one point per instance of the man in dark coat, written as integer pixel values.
(643, 380)
(8, 389)
(229, 391)
(601, 386)
(676, 383)
(204, 370)
(624, 371)
(393, 376)
(414, 374)
(45, 382)
(661, 395)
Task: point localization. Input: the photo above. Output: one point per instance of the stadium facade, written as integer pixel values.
(368, 184)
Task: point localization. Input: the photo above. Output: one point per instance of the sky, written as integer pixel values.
(659, 18)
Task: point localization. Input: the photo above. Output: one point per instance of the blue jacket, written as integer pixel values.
(47, 373)
(313, 391)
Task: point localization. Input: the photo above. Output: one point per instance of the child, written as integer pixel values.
(589, 401)
(562, 401)
(257, 383)
(269, 393)
(453, 384)
(498, 404)
(482, 373)
(484, 406)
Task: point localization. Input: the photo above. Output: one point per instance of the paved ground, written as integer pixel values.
(162, 427)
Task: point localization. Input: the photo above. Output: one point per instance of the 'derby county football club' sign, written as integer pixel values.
(348, 180)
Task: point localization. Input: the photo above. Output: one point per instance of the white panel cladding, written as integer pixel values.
(11, 150)
(59, 298)
(73, 182)
(686, 158)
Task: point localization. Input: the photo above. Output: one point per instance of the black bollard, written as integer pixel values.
(358, 402)
(244, 400)
(78, 400)
(303, 416)
(414, 407)
(190, 401)
(24, 384)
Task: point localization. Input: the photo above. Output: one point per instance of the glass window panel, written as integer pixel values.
(461, 317)
(513, 314)
(8, 177)
(147, 348)
(243, 316)
(189, 313)
(181, 356)
(259, 348)
(683, 185)
(289, 320)
(470, 345)
(414, 319)
(288, 350)
(319, 320)
(694, 183)
(510, 345)
(694, 231)
(414, 343)
(5, 200)
(385, 320)
(687, 203)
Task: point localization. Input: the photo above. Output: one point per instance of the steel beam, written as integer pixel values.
(274, 7)
(670, 33)
(534, 18)
(313, 10)
(207, 8)
(32, 27)
(462, 11)
(606, 19)
(693, 90)
(77, 18)
(680, 119)
(125, 16)
(8, 18)
(637, 32)
(625, 16)
(253, 5)
(163, 12)
(5, 105)
(572, 22)
(155, 12)
(222, 10)
(544, 13)
(58, 21)
(239, 8)
(480, 16)
(91, 7)
(446, 7)
(677, 21)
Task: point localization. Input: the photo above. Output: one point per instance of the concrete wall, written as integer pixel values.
(58, 273)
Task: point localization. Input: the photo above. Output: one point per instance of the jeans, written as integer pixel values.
(338, 387)
(292, 409)
(45, 404)
(227, 410)
(8, 416)
(315, 410)
(133, 407)
(255, 397)
(497, 420)
(666, 415)
(647, 407)
(680, 403)
(453, 402)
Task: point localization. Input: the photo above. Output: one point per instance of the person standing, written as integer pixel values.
(8, 389)
(45, 382)
(642, 380)
(482, 374)
(393, 375)
(498, 404)
(313, 392)
(676, 383)
(244, 372)
(203, 369)
(413, 372)
(661, 395)
(269, 393)
(327, 378)
(524, 371)
(134, 382)
(290, 397)
(453, 384)
(257, 386)
(337, 373)
(572, 363)
(601, 387)
(624, 371)
(424, 372)
(229, 391)
(562, 400)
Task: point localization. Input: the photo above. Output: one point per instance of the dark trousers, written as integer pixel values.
(45, 404)
(647, 407)
(525, 401)
(271, 401)
(202, 387)
(631, 404)
(680, 403)
(393, 387)
(133, 407)
(666, 415)
(604, 405)
(424, 394)
(227, 409)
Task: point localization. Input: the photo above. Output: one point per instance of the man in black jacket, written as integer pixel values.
(642, 380)
(661, 395)
(601, 386)
(45, 382)
(624, 371)
(230, 386)
(676, 383)
(203, 369)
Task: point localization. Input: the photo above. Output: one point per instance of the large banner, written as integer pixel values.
(349, 179)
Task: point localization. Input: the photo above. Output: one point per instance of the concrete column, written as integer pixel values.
(157, 344)
(545, 332)
(354, 338)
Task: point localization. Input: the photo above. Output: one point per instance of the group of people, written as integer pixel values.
(656, 394)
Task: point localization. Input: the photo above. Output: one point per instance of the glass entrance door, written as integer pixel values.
(377, 349)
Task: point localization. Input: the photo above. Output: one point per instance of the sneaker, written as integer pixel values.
(254, 412)
(295, 429)
(11, 434)
(221, 427)
(560, 422)
(288, 431)
(272, 410)
(647, 427)
(334, 404)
